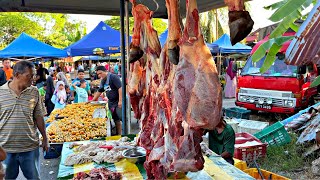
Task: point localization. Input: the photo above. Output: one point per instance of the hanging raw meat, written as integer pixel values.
(197, 88)
(240, 22)
(173, 103)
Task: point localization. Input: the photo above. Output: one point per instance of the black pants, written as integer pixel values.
(49, 106)
(117, 114)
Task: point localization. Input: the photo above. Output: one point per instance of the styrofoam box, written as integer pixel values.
(251, 127)
(234, 123)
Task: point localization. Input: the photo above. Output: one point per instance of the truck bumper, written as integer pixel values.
(274, 109)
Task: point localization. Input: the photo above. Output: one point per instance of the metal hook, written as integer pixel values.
(155, 1)
(157, 4)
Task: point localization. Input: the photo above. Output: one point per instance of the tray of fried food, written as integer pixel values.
(69, 130)
(73, 111)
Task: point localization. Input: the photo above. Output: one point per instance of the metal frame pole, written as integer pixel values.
(123, 69)
(128, 64)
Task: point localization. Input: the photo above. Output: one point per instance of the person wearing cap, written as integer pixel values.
(222, 140)
(111, 84)
(80, 77)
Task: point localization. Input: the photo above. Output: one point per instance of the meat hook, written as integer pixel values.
(155, 1)
(157, 4)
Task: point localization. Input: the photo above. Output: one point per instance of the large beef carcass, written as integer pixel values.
(240, 22)
(197, 93)
(173, 103)
(144, 78)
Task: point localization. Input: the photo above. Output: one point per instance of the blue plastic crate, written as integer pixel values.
(54, 151)
(239, 113)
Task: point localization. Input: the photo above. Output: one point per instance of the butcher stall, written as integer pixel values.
(103, 157)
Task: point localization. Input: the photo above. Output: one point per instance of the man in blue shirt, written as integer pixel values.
(77, 81)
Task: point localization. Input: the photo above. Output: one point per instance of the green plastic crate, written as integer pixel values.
(274, 135)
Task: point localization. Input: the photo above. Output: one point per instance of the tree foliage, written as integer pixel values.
(54, 29)
(158, 24)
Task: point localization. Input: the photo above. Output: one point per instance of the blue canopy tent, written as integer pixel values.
(26, 46)
(214, 48)
(163, 37)
(225, 46)
(102, 36)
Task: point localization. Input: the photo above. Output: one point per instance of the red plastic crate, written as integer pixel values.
(248, 153)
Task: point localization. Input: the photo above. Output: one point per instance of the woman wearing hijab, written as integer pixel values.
(59, 98)
(231, 81)
(62, 77)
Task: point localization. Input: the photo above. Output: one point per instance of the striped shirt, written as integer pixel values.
(18, 128)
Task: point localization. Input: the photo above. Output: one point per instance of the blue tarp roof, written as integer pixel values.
(102, 36)
(26, 46)
(225, 46)
(214, 48)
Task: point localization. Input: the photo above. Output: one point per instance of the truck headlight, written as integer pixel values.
(288, 103)
(269, 101)
(251, 100)
(260, 100)
(242, 98)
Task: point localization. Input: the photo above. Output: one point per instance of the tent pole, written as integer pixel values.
(127, 64)
(123, 69)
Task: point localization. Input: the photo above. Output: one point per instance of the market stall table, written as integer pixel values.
(215, 167)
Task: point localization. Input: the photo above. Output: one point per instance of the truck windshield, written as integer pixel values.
(278, 68)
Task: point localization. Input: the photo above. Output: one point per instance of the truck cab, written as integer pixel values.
(281, 89)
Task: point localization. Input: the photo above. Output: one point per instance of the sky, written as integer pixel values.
(258, 13)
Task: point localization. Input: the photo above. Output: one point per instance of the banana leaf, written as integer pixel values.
(271, 57)
(275, 5)
(285, 24)
(288, 8)
(316, 82)
(263, 48)
(294, 27)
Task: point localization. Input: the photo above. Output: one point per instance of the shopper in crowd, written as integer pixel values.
(222, 140)
(59, 98)
(81, 90)
(7, 68)
(80, 77)
(80, 67)
(68, 91)
(111, 84)
(51, 68)
(43, 89)
(116, 68)
(231, 80)
(41, 75)
(49, 93)
(62, 77)
(22, 117)
(3, 78)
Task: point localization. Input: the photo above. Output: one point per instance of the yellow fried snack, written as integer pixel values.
(77, 124)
